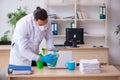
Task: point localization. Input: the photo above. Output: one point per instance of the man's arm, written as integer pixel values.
(49, 37)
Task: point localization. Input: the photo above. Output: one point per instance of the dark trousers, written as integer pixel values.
(35, 64)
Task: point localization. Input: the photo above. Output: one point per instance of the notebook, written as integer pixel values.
(64, 57)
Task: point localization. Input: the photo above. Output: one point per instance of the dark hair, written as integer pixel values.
(40, 13)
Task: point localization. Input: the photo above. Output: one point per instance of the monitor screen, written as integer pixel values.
(74, 35)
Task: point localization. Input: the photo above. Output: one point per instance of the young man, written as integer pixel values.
(28, 34)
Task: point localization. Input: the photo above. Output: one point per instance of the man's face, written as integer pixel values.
(41, 22)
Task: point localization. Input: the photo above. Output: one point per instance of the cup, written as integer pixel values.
(70, 65)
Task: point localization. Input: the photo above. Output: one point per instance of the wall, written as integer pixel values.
(7, 6)
(113, 40)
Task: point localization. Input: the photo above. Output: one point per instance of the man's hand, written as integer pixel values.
(49, 58)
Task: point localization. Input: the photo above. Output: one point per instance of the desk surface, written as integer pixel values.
(5, 47)
(107, 71)
(84, 46)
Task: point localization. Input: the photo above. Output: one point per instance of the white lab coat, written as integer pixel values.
(26, 40)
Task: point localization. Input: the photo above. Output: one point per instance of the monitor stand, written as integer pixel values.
(74, 44)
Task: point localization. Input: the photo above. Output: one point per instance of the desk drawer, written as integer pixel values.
(101, 55)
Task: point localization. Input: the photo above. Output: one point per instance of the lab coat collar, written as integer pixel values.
(33, 22)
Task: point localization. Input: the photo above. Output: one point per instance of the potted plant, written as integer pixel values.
(4, 40)
(118, 31)
(13, 17)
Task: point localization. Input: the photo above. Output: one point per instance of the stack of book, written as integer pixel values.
(81, 15)
(69, 17)
(19, 70)
(89, 66)
(53, 16)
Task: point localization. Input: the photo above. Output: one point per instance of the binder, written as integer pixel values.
(102, 12)
(54, 28)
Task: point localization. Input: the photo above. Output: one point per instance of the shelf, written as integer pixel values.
(58, 36)
(86, 35)
(90, 19)
(94, 35)
(62, 19)
(91, 4)
(79, 4)
(60, 4)
(85, 13)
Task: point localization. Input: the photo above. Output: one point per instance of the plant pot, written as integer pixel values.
(5, 42)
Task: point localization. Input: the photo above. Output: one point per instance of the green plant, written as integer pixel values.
(118, 31)
(5, 36)
(15, 16)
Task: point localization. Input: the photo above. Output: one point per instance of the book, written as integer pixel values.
(20, 72)
(15, 69)
(69, 17)
(83, 15)
(78, 15)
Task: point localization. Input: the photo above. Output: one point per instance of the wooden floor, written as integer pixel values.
(3, 71)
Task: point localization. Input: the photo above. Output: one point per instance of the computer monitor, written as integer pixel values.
(74, 36)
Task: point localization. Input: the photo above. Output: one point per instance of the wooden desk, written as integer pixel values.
(83, 52)
(88, 52)
(107, 73)
(4, 55)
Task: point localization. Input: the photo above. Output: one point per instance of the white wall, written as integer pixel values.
(7, 6)
(113, 21)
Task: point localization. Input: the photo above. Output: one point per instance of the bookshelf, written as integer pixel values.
(85, 14)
